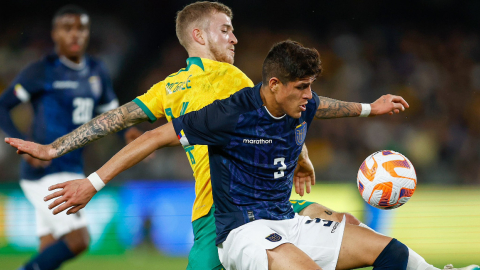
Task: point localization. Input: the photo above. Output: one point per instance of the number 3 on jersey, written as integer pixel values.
(281, 169)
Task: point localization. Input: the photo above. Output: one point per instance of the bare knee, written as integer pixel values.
(351, 219)
(77, 240)
(360, 247)
(46, 241)
(319, 211)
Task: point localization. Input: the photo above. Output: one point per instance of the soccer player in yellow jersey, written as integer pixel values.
(202, 82)
(206, 32)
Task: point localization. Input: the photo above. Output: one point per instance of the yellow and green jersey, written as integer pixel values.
(199, 84)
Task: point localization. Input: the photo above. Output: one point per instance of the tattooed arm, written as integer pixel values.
(99, 127)
(332, 108)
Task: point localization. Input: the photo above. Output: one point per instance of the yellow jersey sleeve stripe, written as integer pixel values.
(151, 117)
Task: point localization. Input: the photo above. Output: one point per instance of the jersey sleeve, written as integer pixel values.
(315, 101)
(108, 100)
(312, 107)
(212, 125)
(26, 85)
(151, 102)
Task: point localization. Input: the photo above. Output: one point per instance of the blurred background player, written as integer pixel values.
(66, 88)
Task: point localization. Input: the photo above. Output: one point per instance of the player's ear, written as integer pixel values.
(273, 84)
(197, 35)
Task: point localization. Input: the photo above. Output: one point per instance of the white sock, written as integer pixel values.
(415, 261)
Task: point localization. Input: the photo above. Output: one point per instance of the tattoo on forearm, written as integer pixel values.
(102, 125)
(332, 108)
(135, 113)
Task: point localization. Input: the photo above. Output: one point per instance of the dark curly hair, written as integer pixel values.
(289, 61)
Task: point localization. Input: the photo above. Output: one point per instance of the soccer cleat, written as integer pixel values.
(470, 267)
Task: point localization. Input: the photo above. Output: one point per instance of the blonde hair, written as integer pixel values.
(197, 12)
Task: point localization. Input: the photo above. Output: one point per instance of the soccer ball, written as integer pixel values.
(386, 179)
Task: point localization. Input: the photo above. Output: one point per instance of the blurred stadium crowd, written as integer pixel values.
(434, 67)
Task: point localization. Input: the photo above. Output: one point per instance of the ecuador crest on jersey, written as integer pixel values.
(301, 133)
(274, 237)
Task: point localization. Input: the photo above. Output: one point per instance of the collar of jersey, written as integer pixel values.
(195, 61)
(257, 90)
(71, 64)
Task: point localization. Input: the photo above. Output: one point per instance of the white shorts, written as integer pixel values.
(48, 223)
(245, 246)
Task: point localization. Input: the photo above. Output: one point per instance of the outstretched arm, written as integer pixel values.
(332, 108)
(102, 125)
(74, 195)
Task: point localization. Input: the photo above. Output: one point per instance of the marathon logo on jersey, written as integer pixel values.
(95, 85)
(65, 85)
(274, 237)
(183, 139)
(260, 141)
(301, 133)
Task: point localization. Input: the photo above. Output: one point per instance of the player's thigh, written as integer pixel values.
(204, 253)
(315, 210)
(320, 239)
(360, 247)
(246, 246)
(288, 256)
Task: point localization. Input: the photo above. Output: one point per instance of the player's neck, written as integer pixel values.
(201, 54)
(270, 103)
(73, 59)
(76, 65)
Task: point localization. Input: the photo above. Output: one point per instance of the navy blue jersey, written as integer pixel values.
(252, 156)
(64, 96)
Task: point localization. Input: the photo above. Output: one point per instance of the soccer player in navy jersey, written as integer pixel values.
(254, 140)
(66, 89)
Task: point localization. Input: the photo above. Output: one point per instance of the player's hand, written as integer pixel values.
(74, 195)
(36, 163)
(304, 176)
(42, 152)
(388, 104)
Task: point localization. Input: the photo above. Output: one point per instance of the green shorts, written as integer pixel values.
(299, 205)
(204, 253)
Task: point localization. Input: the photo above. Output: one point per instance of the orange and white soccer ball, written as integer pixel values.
(386, 179)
